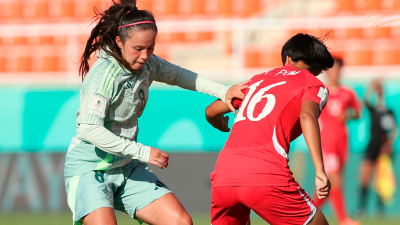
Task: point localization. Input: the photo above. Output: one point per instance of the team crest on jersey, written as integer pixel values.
(128, 85)
(98, 106)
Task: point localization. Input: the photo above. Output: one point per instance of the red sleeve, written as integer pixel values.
(318, 94)
(316, 91)
(236, 102)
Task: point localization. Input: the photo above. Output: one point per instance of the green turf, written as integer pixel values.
(66, 219)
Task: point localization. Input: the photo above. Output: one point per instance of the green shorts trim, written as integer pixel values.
(127, 189)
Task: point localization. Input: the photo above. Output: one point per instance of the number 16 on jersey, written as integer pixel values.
(251, 101)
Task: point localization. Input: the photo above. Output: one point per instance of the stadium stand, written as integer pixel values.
(45, 36)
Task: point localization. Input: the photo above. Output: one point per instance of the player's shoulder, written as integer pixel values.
(106, 67)
(156, 61)
(104, 75)
(311, 80)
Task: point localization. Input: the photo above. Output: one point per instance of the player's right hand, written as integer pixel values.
(158, 158)
(322, 184)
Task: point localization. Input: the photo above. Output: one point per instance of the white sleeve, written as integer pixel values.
(104, 139)
(211, 88)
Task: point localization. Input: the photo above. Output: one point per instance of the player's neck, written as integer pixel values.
(333, 84)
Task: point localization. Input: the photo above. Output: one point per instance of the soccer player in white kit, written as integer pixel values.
(105, 166)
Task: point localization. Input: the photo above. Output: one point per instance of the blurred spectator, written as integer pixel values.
(383, 133)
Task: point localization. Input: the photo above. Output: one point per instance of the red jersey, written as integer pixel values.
(340, 100)
(334, 138)
(256, 153)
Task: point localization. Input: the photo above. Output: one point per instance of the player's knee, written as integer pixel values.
(184, 219)
(179, 218)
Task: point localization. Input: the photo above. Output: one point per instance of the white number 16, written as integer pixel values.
(256, 99)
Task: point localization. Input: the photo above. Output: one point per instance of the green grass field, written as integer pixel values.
(66, 219)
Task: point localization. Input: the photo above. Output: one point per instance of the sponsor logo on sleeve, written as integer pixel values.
(98, 106)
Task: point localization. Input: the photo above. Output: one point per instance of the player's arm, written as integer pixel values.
(309, 123)
(353, 111)
(388, 146)
(356, 113)
(355, 106)
(105, 140)
(215, 115)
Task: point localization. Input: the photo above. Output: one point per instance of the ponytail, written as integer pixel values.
(104, 33)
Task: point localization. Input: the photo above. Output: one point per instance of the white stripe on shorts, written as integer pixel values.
(312, 207)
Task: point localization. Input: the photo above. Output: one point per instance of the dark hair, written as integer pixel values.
(104, 33)
(309, 49)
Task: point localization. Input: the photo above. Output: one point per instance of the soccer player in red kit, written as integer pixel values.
(252, 171)
(342, 105)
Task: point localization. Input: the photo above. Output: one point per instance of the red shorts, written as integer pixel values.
(333, 162)
(275, 204)
(334, 151)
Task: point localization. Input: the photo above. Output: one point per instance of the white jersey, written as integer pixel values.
(115, 98)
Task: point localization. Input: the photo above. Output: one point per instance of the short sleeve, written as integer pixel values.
(96, 94)
(318, 94)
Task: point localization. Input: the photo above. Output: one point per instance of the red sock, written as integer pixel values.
(336, 197)
(319, 202)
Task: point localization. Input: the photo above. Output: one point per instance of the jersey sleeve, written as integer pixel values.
(315, 91)
(96, 94)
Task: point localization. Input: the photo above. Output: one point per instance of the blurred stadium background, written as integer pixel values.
(225, 40)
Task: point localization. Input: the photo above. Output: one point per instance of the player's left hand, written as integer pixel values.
(322, 184)
(235, 91)
(344, 116)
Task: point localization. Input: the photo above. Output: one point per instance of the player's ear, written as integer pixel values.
(119, 42)
(288, 60)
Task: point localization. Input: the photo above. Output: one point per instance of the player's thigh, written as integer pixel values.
(366, 169)
(101, 216)
(90, 191)
(226, 207)
(146, 198)
(318, 219)
(335, 153)
(332, 162)
(282, 205)
(164, 211)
